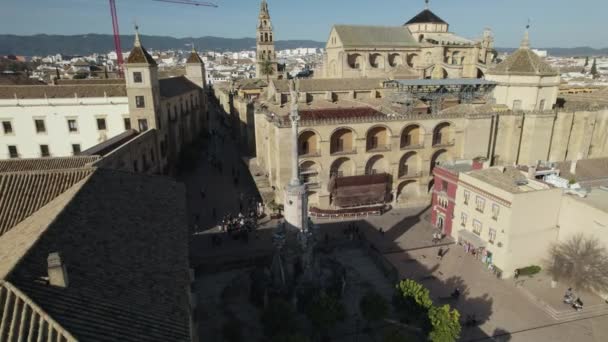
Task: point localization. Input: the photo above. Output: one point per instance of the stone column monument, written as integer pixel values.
(296, 198)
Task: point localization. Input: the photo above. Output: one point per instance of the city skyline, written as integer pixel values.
(290, 19)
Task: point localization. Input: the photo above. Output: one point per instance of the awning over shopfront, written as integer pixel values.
(359, 190)
(471, 238)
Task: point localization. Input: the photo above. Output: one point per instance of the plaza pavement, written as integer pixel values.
(506, 314)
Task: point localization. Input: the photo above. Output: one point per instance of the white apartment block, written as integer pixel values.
(59, 127)
(504, 218)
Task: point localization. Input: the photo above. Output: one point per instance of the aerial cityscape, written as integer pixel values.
(399, 181)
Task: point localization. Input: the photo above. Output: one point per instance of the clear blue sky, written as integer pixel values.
(555, 23)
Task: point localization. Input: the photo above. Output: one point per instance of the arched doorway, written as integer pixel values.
(308, 143)
(411, 136)
(441, 134)
(342, 141)
(309, 171)
(376, 60)
(395, 60)
(409, 165)
(355, 61)
(342, 167)
(439, 157)
(376, 164)
(377, 139)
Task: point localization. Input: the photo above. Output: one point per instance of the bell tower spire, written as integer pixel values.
(266, 56)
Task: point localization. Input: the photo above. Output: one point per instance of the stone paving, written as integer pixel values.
(505, 311)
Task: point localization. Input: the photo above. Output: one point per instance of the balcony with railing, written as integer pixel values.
(371, 148)
(443, 142)
(411, 174)
(309, 153)
(339, 151)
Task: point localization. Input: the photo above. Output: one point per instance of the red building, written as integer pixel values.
(445, 184)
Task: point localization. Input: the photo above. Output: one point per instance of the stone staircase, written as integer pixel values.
(566, 312)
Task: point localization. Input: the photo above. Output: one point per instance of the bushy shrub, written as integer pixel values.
(530, 270)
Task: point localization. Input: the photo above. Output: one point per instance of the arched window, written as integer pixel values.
(266, 36)
(271, 37)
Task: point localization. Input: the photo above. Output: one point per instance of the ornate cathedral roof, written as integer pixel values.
(426, 17)
(524, 62)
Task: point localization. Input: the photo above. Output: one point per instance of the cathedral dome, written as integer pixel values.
(426, 17)
(523, 62)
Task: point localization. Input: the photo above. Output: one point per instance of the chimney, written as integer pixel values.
(573, 164)
(480, 163)
(58, 273)
(573, 167)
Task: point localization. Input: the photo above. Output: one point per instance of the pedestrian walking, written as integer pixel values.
(440, 254)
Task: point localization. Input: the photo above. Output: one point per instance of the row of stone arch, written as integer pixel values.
(378, 137)
(410, 166)
(377, 60)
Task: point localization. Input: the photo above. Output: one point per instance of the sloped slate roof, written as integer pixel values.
(139, 55)
(124, 240)
(523, 62)
(23, 193)
(194, 58)
(62, 91)
(40, 164)
(426, 16)
(29, 320)
(370, 36)
(174, 86)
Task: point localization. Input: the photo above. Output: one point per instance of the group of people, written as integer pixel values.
(571, 299)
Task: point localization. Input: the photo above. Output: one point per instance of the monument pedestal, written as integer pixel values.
(296, 206)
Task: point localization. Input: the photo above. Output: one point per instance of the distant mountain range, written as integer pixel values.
(85, 44)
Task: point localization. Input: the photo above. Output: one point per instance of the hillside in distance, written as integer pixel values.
(85, 44)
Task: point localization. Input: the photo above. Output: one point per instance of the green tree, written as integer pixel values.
(278, 318)
(586, 61)
(373, 307)
(593, 71)
(410, 289)
(267, 69)
(445, 323)
(325, 311)
(580, 262)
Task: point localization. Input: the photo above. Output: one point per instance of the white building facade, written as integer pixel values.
(59, 127)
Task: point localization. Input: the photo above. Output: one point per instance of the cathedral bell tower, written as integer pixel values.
(266, 66)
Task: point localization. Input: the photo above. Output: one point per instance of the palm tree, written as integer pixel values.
(267, 68)
(581, 262)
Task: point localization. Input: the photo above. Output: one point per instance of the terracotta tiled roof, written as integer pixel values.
(40, 164)
(23, 193)
(139, 55)
(331, 113)
(523, 62)
(62, 91)
(124, 240)
(175, 86)
(375, 36)
(426, 16)
(89, 81)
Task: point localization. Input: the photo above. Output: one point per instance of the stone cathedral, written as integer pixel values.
(392, 103)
